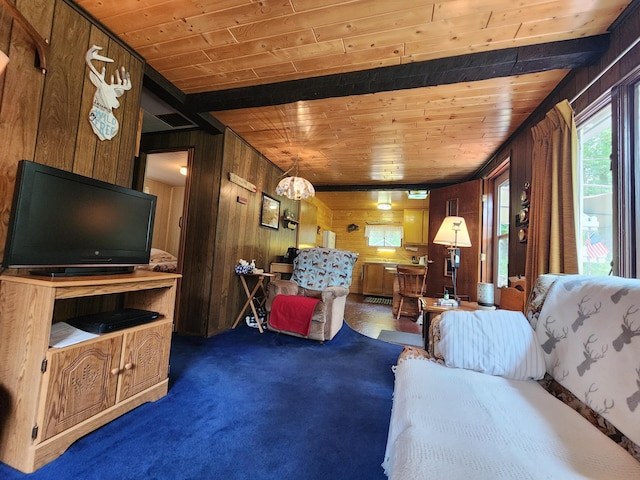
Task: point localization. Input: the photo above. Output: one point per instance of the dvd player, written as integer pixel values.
(105, 322)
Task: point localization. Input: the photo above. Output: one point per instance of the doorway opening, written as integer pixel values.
(166, 178)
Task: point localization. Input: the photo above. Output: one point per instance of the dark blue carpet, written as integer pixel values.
(242, 405)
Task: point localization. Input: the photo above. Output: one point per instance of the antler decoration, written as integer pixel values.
(103, 121)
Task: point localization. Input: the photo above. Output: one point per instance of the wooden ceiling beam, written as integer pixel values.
(160, 86)
(567, 54)
(380, 186)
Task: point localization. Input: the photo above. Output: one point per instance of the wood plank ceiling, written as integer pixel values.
(328, 81)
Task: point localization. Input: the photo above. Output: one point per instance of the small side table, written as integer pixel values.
(430, 305)
(282, 269)
(251, 294)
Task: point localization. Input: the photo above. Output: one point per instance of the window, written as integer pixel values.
(501, 233)
(595, 189)
(384, 235)
(625, 100)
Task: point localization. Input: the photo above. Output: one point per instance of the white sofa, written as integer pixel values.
(554, 394)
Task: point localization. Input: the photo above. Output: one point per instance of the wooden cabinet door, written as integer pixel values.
(416, 226)
(412, 226)
(145, 358)
(425, 226)
(373, 275)
(388, 276)
(80, 381)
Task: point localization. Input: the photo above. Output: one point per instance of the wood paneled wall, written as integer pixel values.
(324, 219)
(169, 206)
(219, 229)
(162, 191)
(519, 147)
(469, 198)
(200, 217)
(308, 232)
(356, 241)
(45, 118)
(175, 220)
(239, 234)
(315, 218)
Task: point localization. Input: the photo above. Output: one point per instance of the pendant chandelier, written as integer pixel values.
(295, 187)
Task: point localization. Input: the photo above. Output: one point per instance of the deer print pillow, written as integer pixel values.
(589, 331)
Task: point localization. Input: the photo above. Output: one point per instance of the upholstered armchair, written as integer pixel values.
(319, 286)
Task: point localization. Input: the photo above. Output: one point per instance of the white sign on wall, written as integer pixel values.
(101, 117)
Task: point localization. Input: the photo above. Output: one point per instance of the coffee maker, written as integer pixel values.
(289, 257)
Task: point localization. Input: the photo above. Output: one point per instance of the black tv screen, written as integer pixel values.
(64, 220)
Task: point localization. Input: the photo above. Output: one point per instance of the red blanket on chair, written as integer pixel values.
(292, 313)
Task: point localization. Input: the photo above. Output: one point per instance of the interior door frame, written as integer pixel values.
(138, 182)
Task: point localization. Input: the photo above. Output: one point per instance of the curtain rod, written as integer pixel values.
(606, 69)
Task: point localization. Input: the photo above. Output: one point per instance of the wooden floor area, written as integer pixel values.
(370, 319)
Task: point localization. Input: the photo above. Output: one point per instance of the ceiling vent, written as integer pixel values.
(174, 120)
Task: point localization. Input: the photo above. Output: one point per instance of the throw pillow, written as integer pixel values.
(499, 342)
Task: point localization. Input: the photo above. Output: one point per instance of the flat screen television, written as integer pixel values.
(65, 224)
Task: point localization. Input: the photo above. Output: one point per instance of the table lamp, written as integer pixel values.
(453, 233)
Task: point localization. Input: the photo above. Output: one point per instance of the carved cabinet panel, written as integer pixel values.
(145, 359)
(57, 394)
(80, 382)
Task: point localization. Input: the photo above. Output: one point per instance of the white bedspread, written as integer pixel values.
(449, 423)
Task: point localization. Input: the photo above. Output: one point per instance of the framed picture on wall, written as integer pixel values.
(452, 208)
(270, 212)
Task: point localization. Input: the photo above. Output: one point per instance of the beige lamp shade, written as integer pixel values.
(295, 188)
(453, 232)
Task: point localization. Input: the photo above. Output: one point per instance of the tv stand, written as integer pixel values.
(45, 410)
(80, 271)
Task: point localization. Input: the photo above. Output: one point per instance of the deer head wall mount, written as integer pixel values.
(103, 121)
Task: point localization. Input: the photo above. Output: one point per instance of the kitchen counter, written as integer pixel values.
(391, 264)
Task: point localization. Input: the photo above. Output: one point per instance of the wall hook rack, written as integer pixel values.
(42, 45)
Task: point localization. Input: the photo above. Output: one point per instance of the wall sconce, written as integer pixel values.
(183, 171)
(352, 227)
(3, 61)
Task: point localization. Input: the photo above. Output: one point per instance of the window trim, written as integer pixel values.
(624, 170)
(504, 176)
(397, 229)
(487, 273)
(591, 111)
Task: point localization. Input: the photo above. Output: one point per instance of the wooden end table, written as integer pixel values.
(429, 305)
(251, 294)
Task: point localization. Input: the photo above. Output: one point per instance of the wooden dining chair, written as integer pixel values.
(411, 284)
